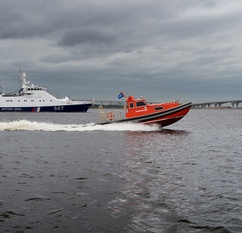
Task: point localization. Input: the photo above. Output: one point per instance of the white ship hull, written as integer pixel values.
(32, 98)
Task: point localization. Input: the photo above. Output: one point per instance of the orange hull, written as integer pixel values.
(163, 118)
(140, 111)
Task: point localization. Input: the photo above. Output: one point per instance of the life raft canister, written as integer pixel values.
(110, 116)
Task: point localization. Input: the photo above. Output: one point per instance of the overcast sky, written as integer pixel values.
(160, 49)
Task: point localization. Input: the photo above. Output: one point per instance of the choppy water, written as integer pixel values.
(62, 173)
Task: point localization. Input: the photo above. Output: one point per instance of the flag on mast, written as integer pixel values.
(121, 95)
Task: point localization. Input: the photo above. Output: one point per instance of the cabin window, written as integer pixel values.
(141, 103)
(158, 108)
(131, 105)
(32, 100)
(39, 100)
(25, 100)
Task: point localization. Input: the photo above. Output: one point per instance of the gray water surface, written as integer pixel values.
(60, 173)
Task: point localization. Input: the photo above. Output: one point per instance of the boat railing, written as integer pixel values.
(108, 115)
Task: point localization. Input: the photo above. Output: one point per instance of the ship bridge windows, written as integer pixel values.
(131, 105)
(34, 89)
(140, 103)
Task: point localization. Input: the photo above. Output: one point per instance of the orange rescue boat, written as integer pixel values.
(140, 111)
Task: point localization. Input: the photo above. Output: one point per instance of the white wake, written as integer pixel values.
(52, 127)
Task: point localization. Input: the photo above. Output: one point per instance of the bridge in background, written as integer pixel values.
(215, 104)
(232, 103)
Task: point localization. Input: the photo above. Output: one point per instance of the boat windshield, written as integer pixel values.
(140, 103)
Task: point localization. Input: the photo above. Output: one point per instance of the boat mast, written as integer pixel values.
(24, 83)
(19, 78)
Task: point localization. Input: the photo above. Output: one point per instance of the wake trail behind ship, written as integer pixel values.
(26, 125)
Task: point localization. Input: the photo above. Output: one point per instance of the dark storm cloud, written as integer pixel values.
(138, 45)
(102, 21)
(22, 19)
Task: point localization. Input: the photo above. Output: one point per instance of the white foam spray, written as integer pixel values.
(52, 127)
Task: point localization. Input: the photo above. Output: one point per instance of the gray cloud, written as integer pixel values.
(86, 37)
(160, 49)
